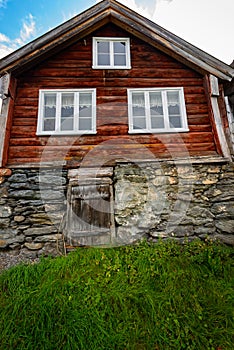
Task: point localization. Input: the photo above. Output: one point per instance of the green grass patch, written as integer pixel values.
(157, 297)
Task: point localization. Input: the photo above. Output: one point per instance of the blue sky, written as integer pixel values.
(207, 24)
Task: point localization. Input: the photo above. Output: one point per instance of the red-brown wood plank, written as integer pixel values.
(72, 68)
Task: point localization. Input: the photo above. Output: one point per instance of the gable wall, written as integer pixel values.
(72, 68)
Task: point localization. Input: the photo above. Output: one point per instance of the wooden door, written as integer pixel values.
(90, 215)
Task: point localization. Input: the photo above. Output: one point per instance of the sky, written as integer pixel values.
(207, 24)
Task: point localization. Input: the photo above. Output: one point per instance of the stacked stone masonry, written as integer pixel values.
(32, 205)
(153, 200)
(177, 201)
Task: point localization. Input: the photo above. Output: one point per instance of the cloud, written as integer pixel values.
(4, 38)
(144, 7)
(147, 8)
(27, 32)
(3, 3)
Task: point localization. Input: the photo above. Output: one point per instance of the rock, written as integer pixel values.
(3, 192)
(15, 246)
(213, 192)
(223, 197)
(48, 238)
(20, 186)
(225, 225)
(40, 231)
(4, 224)
(173, 180)
(48, 195)
(209, 181)
(51, 249)
(226, 239)
(51, 180)
(181, 231)
(25, 194)
(3, 243)
(5, 211)
(203, 230)
(213, 170)
(19, 218)
(223, 210)
(5, 172)
(18, 178)
(159, 234)
(33, 246)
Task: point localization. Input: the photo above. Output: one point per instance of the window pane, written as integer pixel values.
(138, 111)
(104, 60)
(119, 47)
(173, 97)
(85, 99)
(138, 99)
(67, 105)
(119, 60)
(156, 107)
(138, 104)
(174, 110)
(175, 122)
(49, 105)
(49, 125)
(85, 111)
(85, 107)
(103, 47)
(67, 124)
(173, 102)
(85, 124)
(157, 123)
(139, 123)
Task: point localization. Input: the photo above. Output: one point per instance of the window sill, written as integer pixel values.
(111, 67)
(158, 131)
(70, 133)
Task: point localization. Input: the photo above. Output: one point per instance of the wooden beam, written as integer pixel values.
(218, 125)
(5, 82)
(9, 89)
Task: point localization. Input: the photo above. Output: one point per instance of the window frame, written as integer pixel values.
(167, 128)
(58, 131)
(111, 40)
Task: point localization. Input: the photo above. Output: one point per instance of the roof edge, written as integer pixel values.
(103, 9)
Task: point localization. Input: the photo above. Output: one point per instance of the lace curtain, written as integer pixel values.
(173, 98)
(50, 100)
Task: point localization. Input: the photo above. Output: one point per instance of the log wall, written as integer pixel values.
(72, 68)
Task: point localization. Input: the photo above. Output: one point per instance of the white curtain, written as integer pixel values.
(50, 100)
(138, 99)
(68, 100)
(173, 98)
(85, 100)
(155, 99)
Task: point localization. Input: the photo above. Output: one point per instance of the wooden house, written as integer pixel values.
(110, 85)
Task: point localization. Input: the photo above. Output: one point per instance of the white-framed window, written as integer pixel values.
(157, 110)
(67, 111)
(111, 53)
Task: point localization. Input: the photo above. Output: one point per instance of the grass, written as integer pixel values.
(156, 297)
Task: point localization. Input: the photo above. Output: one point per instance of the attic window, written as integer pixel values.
(111, 53)
(157, 110)
(64, 112)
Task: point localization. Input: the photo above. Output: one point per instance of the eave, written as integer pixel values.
(112, 11)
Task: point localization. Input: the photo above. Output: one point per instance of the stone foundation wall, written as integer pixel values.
(153, 200)
(32, 206)
(175, 200)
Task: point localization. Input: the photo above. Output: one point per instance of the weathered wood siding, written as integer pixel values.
(72, 68)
